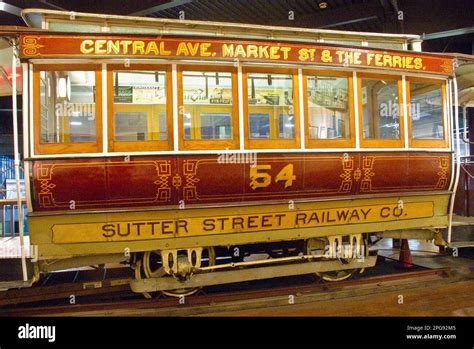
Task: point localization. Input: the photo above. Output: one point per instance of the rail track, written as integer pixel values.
(114, 297)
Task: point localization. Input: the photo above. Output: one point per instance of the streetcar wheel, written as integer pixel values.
(337, 275)
(153, 268)
(318, 246)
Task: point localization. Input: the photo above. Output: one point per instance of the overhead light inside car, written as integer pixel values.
(323, 5)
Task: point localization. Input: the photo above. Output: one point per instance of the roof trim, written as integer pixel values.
(29, 14)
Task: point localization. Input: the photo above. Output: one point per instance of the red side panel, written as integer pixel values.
(167, 181)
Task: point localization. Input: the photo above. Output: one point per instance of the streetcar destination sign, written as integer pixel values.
(196, 226)
(219, 49)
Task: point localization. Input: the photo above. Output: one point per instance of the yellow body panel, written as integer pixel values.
(74, 234)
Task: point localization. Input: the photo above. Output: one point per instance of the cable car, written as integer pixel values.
(184, 148)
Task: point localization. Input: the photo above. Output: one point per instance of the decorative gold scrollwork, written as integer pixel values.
(30, 46)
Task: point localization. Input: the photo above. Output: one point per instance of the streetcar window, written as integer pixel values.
(380, 109)
(270, 106)
(208, 105)
(67, 107)
(328, 107)
(139, 105)
(426, 110)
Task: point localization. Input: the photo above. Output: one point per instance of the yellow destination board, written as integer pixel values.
(249, 223)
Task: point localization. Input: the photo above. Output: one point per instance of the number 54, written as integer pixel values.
(261, 179)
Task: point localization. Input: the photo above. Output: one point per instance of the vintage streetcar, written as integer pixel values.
(188, 149)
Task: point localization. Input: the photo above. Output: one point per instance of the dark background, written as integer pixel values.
(419, 16)
(447, 25)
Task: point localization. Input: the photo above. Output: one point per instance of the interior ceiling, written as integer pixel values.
(419, 16)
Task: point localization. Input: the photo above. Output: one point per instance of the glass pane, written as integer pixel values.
(386, 45)
(215, 126)
(259, 126)
(342, 42)
(271, 112)
(187, 125)
(328, 107)
(140, 105)
(286, 126)
(67, 107)
(380, 109)
(25, 220)
(7, 219)
(131, 126)
(207, 100)
(426, 109)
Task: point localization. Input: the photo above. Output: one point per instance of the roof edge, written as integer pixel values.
(26, 13)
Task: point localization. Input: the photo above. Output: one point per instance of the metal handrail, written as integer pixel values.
(464, 118)
(457, 157)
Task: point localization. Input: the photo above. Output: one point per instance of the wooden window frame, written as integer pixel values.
(271, 143)
(209, 144)
(329, 143)
(67, 148)
(136, 146)
(381, 143)
(427, 143)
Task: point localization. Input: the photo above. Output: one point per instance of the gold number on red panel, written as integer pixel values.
(286, 174)
(259, 179)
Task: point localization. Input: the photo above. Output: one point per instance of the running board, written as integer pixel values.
(249, 274)
(7, 285)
